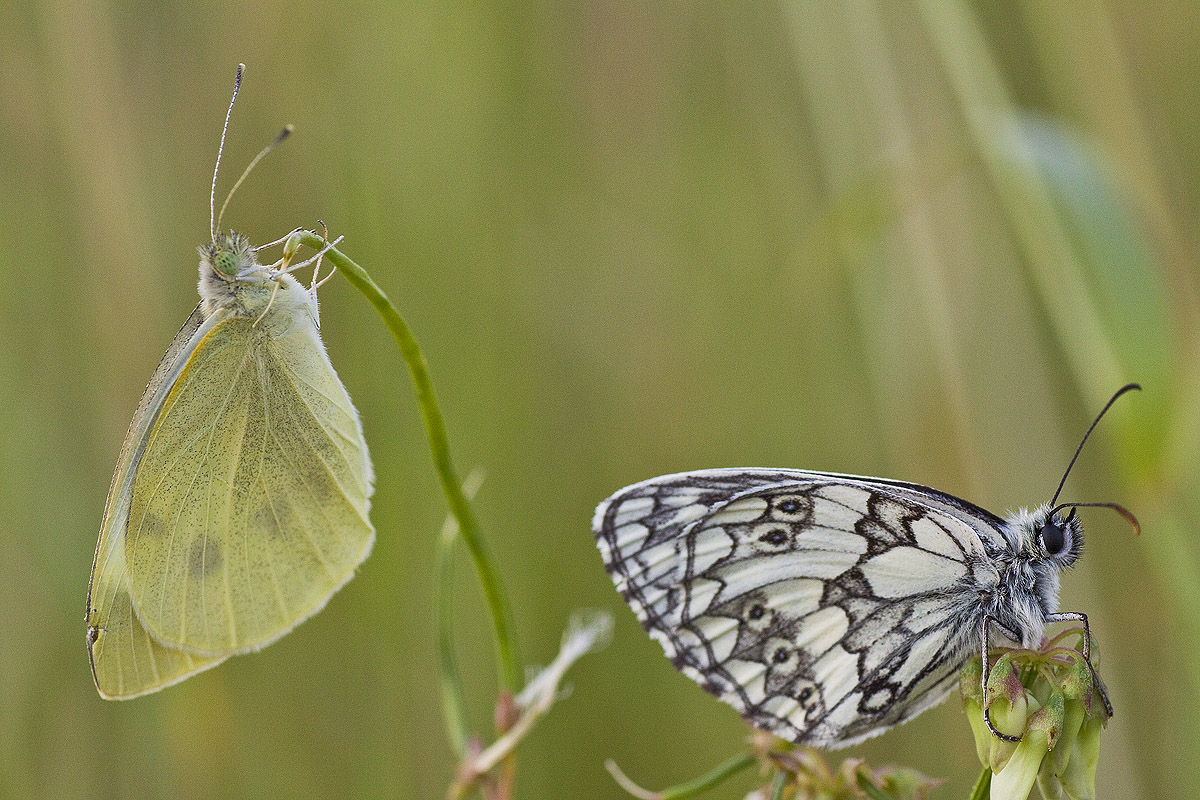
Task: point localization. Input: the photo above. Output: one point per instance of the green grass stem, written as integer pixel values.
(439, 445)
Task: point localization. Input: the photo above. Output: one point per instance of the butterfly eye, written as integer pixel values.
(1054, 538)
(226, 262)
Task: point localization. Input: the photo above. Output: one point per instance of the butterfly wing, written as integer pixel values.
(825, 608)
(250, 505)
(126, 661)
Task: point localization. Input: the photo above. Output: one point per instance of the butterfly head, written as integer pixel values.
(1045, 535)
(1056, 538)
(1041, 543)
(228, 257)
(231, 277)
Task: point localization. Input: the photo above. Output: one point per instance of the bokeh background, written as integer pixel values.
(924, 240)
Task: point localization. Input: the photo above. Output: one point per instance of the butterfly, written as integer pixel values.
(828, 608)
(240, 500)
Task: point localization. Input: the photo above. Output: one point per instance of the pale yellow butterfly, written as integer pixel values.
(240, 501)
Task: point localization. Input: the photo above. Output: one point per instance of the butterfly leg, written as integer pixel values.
(328, 246)
(987, 668)
(278, 241)
(270, 303)
(315, 284)
(1075, 616)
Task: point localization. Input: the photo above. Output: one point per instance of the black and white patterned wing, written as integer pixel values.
(825, 608)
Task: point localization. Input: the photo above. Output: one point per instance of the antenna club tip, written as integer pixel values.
(283, 134)
(1130, 518)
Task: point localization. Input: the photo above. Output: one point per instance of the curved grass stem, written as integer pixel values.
(458, 728)
(693, 787)
(439, 445)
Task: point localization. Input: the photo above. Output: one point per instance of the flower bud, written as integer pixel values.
(1008, 707)
(1051, 698)
(291, 246)
(1070, 769)
(1014, 781)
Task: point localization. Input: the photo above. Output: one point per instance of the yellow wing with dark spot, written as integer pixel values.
(249, 508)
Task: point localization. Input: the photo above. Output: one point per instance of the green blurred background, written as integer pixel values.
(924, 240)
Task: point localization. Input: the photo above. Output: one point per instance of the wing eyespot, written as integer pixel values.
(757, 616)
(776, 536)
(783, 660)
(791, 508)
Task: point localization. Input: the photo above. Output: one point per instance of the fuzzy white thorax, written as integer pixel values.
(249, 289)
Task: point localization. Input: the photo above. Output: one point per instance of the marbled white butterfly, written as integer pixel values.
(827, 608)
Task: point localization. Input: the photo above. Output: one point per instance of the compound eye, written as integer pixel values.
(1054, 538)
(226, 262)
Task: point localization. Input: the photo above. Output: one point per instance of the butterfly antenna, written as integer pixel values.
(1127, 387)
(1120, 509)
(212, 194)
(283, 134)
